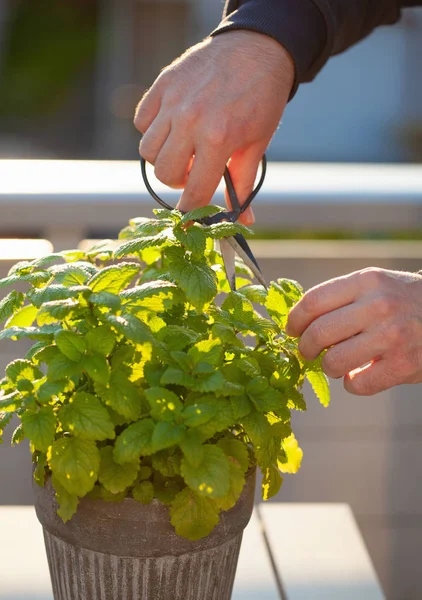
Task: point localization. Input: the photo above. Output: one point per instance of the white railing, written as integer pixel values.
(64, 201)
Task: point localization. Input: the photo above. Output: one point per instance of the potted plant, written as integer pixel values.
(148, 406)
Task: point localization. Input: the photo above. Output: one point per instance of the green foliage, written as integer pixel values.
(148, 378)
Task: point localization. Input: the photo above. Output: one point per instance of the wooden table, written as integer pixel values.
(289, 552)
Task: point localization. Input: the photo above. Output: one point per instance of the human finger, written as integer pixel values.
(353, 353)
(373, 378)
(243, 166)
(147, 110)
(154, 139)
(204, 177)
(332, 328)
(319, 300)
(174, 161)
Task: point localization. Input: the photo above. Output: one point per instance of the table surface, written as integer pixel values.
(289, 552)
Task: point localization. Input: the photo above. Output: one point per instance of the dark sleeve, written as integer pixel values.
(311, 30)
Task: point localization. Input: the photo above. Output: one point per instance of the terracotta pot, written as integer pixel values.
(130, 551)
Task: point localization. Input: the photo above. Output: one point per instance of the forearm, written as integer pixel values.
(311, 30)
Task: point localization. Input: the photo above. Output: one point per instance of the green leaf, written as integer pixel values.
(10, 304)
(167, 434)
(223, 416)
(211, 477)
(132, 328)
(101, 340)
(21, 267)
(87, 418)
(241, 406)
(200, 213)
(211, 383)
(10, 402)
(144, 473)
(236, 485)
(116, 477)
(165, 405)
(136, 296)
(192, 447)
(121, 395)
(68, 503)
(40, 427)
(142, 226)
(268, 451)
(44, 333)
(271, 482)
(226, 229)
(97, 367)
(115, 278)
(296, 399)
(237, 450)
(175, 376)
(49, 390)
(17, 436)
(257, 428)
(75, 463)
(35, 279)
(182, 359)
(111, 301)
(39, 471)
(198, 414)
(57, 310)
(254, 293)
(177, 337)
(44, 261)
(193, 238)
(269, 400)
(196, 279)
(40, 296)
(61, 367)
(71, 344)
(134, 441)
(165, 488)
(319, 381)
(73, 273)
(22, 369)
(139, 244)
(143, 492)
(193, 516)
(282, 294)
(168, 464)
(209, 351)
(24, 317)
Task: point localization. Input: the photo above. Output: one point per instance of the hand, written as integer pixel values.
(371, 323)
(217, 104)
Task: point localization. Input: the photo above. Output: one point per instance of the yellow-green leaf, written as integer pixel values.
(116, 477)
(87, 418)
(75, 463)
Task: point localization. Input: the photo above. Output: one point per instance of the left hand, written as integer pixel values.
(371, 323)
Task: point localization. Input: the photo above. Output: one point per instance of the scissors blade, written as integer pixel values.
(228, 252)
(241, 247)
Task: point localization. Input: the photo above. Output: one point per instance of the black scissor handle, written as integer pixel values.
(236, 209)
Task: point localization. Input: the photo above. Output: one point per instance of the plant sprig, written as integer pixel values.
(141, 384)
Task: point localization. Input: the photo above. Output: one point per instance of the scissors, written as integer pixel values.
(231, 245)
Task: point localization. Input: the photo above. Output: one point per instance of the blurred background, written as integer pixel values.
(72, 71)
(349, 180)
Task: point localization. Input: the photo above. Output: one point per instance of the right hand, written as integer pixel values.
(218, 104)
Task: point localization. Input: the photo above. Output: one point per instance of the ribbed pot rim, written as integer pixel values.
(129, 528)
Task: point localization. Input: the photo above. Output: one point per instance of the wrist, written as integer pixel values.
(250, 48)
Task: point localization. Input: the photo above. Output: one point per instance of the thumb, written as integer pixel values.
(243, 166)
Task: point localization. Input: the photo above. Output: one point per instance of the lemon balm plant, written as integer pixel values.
(148, 378)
